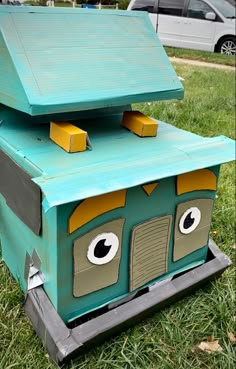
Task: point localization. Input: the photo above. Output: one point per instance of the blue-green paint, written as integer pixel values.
(55, 246)
(87, 68)
(17, 239)
(98, 61)
(139, 208)
(119, 158)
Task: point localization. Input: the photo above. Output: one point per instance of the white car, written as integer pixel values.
(194, 24)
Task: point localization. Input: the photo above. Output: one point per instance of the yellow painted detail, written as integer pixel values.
(67, 136)
(95, 206)
(139, 124)
(203, 179)
(150, 188)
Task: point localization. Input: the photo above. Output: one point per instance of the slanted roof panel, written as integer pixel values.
(79, 59)
(119, 159)
(188, 153)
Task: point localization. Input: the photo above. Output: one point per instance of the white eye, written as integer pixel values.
(103, 248)
(189, 220)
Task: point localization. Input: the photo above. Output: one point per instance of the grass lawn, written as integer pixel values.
(205, 56)
(170, 338)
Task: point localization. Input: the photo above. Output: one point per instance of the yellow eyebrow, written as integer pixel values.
(203, 179)
(95, 206)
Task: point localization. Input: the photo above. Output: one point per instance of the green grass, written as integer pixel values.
(168, 339)
(205, 56)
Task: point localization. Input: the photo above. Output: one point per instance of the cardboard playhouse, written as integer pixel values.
(104, 213)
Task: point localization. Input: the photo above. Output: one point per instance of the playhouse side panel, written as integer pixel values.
(21, 247)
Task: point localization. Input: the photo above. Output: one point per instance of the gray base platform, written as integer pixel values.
(63, 343)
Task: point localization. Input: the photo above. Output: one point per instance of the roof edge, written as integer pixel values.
(218, 150)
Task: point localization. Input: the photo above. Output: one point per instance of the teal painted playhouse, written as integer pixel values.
(98, 237)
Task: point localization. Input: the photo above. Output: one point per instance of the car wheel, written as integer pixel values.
(227, 46)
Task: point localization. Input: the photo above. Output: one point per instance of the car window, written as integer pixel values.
(171, 7)
(198, 9)
(144, 5)
(226, 7)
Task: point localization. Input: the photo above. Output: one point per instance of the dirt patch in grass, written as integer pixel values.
(204, 56)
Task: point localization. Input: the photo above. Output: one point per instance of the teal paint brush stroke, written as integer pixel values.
(98, 61)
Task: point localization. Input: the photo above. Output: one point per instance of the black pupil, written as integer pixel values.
(188, 221)
(101, 250)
